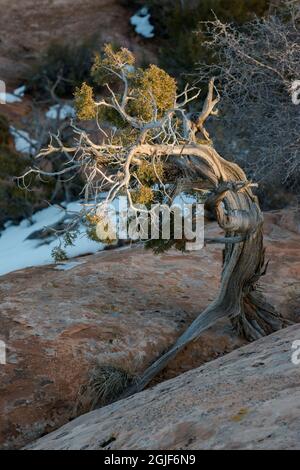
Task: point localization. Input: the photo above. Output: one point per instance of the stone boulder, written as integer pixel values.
(249, 399)
(120, 308)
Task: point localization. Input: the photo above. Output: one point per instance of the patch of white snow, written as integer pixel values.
(23, 142)
(20, 91)
(142, 24)
(18, 252)
(62, 112)
(68, 265)
(14, 97)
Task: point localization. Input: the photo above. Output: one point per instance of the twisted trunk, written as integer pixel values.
(238, 213)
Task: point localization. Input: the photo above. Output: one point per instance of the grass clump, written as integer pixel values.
(106, 384)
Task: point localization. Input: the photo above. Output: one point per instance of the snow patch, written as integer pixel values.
(62, 112)
(23, 142)
(9, 98)
(142, 24)
(20, 91)
(19, 252)
(69, 265)
(14, 97)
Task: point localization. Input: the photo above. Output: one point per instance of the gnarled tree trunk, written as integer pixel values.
(238, 214)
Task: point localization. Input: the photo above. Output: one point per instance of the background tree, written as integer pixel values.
(257, 67)
(152, 151)
(176, 24)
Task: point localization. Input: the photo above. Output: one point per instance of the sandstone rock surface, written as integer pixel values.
(122, 308)
(249, 399)
(28, 27)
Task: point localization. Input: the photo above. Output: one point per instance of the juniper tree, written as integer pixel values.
(153, 147)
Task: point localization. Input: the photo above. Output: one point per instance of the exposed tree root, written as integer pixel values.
(258, 318)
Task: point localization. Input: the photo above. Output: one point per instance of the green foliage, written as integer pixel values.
(4, 131)
(111, 116)
(145, 86)
(152, 86)
(92, 234)
(149, 90)
(161, 246)
(148, 174)
(59, 254)
(11, 164)
(126, 136)
(151, 93)
(100, 232)
(84, 102)
(143, 195)
(70, 237)
(91, 222)
(111, 60)
(14, 202)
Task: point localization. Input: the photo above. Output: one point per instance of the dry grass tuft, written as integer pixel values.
(106, 384)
